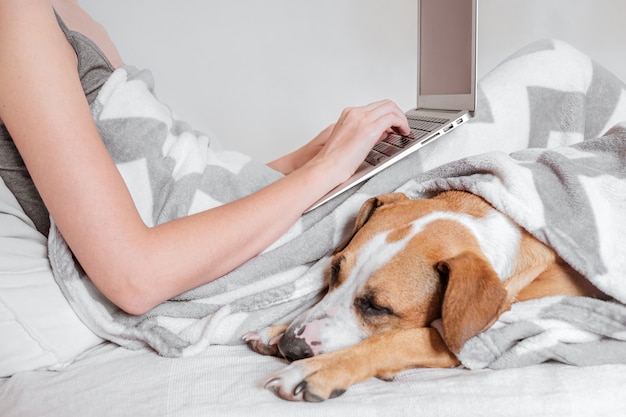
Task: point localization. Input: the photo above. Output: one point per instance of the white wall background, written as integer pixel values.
(266, 76)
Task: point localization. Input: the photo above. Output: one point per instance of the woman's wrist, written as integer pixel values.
(294, 160)
(323, 175)
(285, 164)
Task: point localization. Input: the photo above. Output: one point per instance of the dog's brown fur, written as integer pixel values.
(442, 273)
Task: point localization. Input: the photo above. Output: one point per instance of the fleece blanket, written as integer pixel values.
(546, 96)
(573, 199)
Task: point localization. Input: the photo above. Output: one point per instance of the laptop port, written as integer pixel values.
(425, 141)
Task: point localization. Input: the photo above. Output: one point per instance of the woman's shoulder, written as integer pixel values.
(78, 20)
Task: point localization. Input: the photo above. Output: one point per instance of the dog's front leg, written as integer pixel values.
(330, 374)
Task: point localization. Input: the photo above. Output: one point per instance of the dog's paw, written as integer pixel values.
(309, 380)
(265, 341)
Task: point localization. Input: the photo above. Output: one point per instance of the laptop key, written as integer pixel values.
(374, 158)
(386, 149)
(424, 125)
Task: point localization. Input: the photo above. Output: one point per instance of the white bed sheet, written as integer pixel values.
(227, 381)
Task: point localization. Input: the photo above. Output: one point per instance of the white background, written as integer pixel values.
(265, 76)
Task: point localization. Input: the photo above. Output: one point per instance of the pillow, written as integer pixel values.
(38, 328)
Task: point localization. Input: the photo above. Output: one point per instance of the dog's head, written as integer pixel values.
(407, 263)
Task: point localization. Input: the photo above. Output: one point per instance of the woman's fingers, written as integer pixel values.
(375, 118)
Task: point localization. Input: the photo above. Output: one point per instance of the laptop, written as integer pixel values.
(446, 84)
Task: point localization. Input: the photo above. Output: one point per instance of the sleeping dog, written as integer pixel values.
(407, 263)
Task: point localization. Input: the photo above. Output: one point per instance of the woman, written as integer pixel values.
(45, 90)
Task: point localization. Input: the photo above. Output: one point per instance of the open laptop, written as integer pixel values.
(446, 84)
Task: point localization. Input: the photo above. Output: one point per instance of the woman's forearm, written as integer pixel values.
(173, 257)
(301, 156)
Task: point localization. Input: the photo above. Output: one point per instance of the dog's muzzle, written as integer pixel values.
(319, 333)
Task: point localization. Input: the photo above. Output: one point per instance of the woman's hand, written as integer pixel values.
(357, 131)
(350, 139)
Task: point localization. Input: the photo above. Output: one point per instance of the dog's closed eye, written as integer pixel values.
(368, 307)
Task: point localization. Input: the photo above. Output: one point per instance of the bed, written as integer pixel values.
(226, 381)
(65, 351)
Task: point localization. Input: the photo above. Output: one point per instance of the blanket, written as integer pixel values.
(547, 95)
(572, 199)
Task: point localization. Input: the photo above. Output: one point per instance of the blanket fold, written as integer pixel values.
(530, 151)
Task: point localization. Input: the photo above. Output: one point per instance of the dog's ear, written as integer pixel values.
(474, 298)
(365, 213)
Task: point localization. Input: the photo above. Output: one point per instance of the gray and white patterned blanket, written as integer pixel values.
(547, 95)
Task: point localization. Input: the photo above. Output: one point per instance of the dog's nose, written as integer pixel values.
(293, 347)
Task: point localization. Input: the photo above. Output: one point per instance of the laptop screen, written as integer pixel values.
(447, 53)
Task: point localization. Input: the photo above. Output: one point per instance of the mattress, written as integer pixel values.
(227, 381)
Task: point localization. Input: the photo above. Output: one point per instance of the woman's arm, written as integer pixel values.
(44, 108)
(294, 160)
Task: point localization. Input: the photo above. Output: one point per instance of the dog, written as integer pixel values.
(407, 263)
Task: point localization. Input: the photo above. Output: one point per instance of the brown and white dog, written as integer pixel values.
(407, 263)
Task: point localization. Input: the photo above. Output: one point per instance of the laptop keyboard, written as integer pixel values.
(394, 143)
